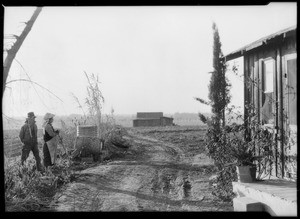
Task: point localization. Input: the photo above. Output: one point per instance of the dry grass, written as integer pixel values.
(29, 190)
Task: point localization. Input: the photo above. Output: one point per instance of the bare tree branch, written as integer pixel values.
(34, 83)
(12, 52)
(8, 118)
(78, 102)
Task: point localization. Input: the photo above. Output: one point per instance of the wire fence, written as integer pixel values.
(13, 146)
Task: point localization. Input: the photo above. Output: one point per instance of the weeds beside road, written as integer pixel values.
(164, 169)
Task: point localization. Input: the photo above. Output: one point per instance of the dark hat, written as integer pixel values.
(31, 115)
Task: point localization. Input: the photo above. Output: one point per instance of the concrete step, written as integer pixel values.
(247, 204)
(278, 197)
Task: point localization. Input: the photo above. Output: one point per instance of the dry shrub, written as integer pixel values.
(110, 141)
(23, 187)
(88, 147)
(29, 190)
(68, 134)
(115, 142)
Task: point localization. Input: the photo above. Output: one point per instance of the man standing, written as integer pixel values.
(28, 136)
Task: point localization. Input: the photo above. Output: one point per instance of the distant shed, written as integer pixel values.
(148, 119)
(149, 115)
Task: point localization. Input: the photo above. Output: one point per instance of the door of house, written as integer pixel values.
(285, 149)
(267, 112)
(290, 117)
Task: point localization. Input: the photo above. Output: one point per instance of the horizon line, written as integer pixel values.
(38, 115)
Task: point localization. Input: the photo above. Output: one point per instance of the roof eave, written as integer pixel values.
(264, 41)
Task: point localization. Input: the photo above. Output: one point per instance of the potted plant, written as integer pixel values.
(242, 153)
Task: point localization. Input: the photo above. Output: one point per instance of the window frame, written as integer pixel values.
(268, 60)
(269, 125)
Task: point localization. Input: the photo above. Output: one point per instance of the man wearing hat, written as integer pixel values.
(50, 139)
(28, 136)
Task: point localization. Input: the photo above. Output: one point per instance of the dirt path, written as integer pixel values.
(154, 176)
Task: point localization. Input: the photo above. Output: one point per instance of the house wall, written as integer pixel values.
(146, 122)
(276, 109)
(151, 119)
(289, 71)
(162, 121)
(149, 115)
(165, 121)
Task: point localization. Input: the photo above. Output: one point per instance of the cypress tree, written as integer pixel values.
(219, 85)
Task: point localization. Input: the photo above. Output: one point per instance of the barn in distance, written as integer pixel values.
(148, 119)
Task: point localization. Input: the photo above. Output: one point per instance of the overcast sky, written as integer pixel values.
(147, 58)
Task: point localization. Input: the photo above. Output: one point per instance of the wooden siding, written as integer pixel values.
(151, 119)
(149, 115)
(146, 122)
(273, 109)
(162, 121)
(166, 121)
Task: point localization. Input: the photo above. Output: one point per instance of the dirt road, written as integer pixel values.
(154, 175)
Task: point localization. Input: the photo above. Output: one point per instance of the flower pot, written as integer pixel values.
(246, 174)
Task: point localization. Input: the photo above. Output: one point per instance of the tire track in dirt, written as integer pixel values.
(170, 151)
(157, 180)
